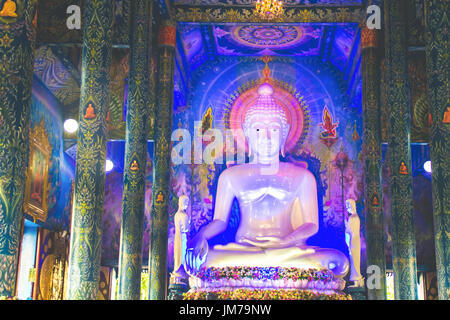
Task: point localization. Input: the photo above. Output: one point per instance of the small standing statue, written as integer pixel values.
(181, 222)
(353, 240)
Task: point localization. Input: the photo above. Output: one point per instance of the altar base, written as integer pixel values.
(258, 283)
(263, 294)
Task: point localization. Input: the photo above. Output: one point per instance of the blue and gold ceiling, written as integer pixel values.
(334, 43)
(267, 40)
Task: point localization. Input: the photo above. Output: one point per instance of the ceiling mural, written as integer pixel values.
(333, 43)
(193, 43)
(344, 40)
(251, 40)
(59, 78)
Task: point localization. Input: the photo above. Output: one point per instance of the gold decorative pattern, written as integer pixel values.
(292, 15)
(368, 38)
(36, 187)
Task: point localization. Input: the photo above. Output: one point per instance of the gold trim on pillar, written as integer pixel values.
(36, 187)
(369, 38)
(167, 34)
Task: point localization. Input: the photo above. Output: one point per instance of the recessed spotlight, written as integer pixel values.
(71, 126)
(427, 166)
(109, 165)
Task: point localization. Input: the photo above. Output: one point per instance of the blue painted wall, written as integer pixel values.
(61, 170)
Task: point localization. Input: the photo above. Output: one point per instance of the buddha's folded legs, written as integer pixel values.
(305, 258)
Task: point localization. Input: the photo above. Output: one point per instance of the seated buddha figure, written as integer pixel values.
(9, 9)
(277, 201)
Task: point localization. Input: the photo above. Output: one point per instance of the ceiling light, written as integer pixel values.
(268, 9)
(109, 165)
(71, 126)
(427, 166)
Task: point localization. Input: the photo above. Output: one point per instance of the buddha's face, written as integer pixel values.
(265, 136)
(183, 202)
(351, 206)
(266, 127)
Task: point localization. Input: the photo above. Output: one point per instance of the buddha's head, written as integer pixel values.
(350, 204)
(183, 203)
(266, 126)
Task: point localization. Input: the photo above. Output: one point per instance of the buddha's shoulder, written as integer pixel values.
(235, 170)
(297, 170)
(293, 167)
(246, 169)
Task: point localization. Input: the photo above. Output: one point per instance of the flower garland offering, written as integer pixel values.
(265, 273)
(259, 294)
(267, 278)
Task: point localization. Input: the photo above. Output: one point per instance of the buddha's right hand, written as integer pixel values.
(196, 253)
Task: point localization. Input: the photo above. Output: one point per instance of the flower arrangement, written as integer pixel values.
(265, 273)
(266, 278)
(266, 294)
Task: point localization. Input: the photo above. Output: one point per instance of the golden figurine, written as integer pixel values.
(403, 170)
(9, 9)
(160, 198)
(375, 201)
(355, 135)
(447, 116)
(134, 166)
(90, 114)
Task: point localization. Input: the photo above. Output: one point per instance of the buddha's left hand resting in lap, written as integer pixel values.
(277, 201)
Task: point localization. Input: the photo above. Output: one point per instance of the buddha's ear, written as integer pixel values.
(288, 128)
(246, 131)
(282, 147)
(284, 139)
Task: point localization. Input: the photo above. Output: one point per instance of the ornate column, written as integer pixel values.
(17, 39)
(133, 205)
(437, 40)
(399, 150)
(85, 242)
(370, 65)
(161, 167)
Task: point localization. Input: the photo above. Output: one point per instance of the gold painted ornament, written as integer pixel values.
(9, 9)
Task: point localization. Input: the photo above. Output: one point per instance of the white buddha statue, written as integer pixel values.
(277, 201)
(353, 240)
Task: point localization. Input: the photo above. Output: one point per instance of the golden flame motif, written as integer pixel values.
(269, 9)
